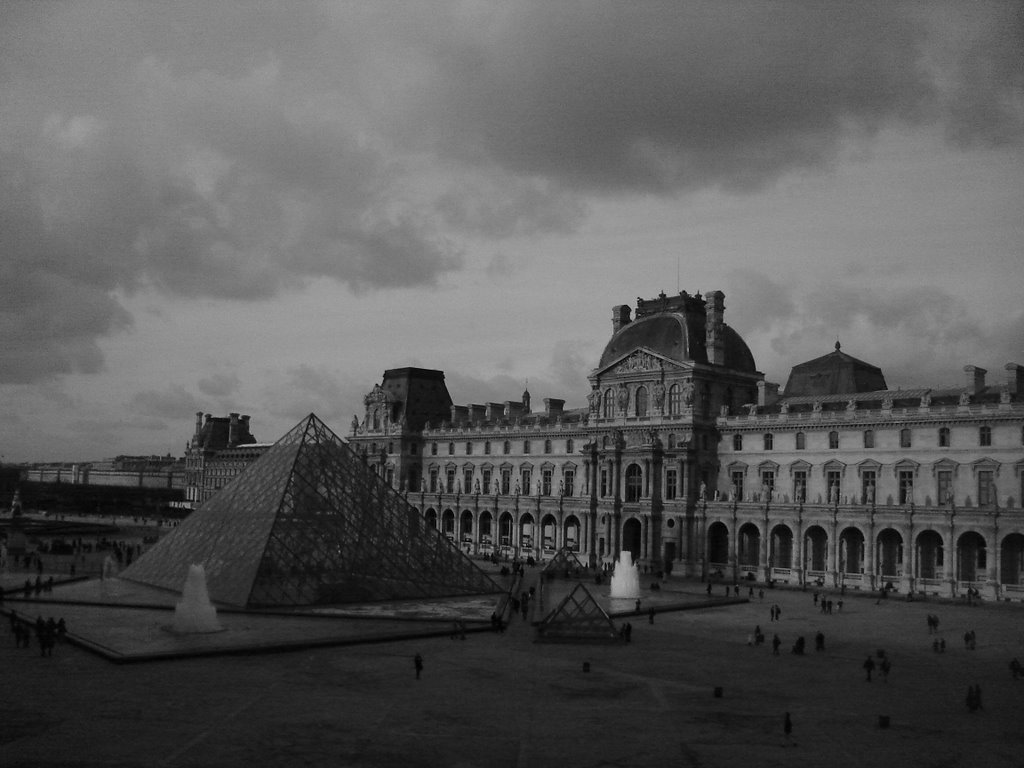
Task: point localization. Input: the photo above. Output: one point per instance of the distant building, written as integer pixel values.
(121, 471)
(220, 448)
(688, 458)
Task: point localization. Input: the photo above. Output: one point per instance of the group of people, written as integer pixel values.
(826, 604)
(47, 633)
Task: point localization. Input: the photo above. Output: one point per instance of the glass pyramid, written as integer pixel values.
(308, 523)
(578, 619)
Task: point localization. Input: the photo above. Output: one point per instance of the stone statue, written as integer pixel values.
(594, 400)
(476, 486)
(965, 398)
(784, 408)
(622, 397)
(887, 403)
(517, 488)
(833, 493)
(926, 399)
(871, 493)
(1004, 395)
(538, 487)
(851, 405)
(688, 393)
(734, 493)
(752, 409)
(355, 424)
(723, 411)
(659, 395)
(817, 406)
(703, 492)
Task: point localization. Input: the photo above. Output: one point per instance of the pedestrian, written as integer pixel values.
(709, 589)
(417, 663)
(650, 615)
(776, 642)
(815, 598)
(819, 641)
(839, 606)
(886, 666)
(760, 594)
(1015, 669)
(787, 727)
(869, 667)
(830, 607)
(638, 605)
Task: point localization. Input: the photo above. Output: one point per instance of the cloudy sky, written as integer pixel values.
(260, 207)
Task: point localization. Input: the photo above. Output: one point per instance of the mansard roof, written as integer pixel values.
(834, 374)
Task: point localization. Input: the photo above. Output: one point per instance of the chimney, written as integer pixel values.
(620, 317)
(199, 421)
(714, 306)
(233, 429)
(495, 411)
(460, 414)
(1015, 378)
(477, 413)
(553, 407)
(767, 392)
(975, 378)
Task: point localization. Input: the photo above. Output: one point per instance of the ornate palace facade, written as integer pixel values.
(687, 457)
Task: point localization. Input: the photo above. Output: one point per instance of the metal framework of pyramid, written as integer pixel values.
(309, 523)
(578, 619)
(565, 564)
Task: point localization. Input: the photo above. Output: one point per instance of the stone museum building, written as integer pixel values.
(688, 458)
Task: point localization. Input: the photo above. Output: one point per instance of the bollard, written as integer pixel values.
(883, 721)
(718, 692)
(586, 666)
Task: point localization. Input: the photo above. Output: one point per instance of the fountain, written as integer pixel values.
(195, 612)
(626, 578)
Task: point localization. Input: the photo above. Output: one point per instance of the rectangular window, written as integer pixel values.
(568, 482)
(506, 482)
(737, 485)
(800, 485)
(945, 488)
(526, 476)
(487, 481)
(604, 482)
(467, 481)
(904, 438)
(450, 481)
(767, 484)
(869, 438)
(433, 480)
(545, 482)
(390, 476)
(986, 488)
(670, 484)
(868, 484)
(906, 478)
(433, 449)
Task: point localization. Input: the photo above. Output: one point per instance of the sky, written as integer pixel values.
(261, 207)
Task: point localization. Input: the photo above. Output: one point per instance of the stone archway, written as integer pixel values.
(548, 533)
(851, 551)
(718, 545)
(571, 533)
(972, 557)
(782, 547)
(889, 560)
(632, 537)
(930, 556)
(749, 550)
(1012, 560)
(816, 550)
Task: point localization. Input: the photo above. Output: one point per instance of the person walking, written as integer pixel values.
(869, 667)
(417, 663)
(776, 642)
(787, 728)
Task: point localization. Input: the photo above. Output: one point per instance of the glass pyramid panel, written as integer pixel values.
(578, 618)
(564, 564)
(309, 523)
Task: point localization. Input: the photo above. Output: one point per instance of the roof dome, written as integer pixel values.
(834, 374)
(676, 328)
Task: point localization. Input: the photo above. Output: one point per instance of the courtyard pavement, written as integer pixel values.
(503, 700)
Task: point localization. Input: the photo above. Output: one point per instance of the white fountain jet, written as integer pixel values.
(626, 578)
(194, 612)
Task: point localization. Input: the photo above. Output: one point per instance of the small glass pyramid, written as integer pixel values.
(309, 523)
(578, 619)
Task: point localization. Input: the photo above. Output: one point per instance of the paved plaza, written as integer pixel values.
(503, 700)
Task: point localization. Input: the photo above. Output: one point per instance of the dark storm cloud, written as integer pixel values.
(169, 403)
(219, 385)
(234, 152)
(661, 97)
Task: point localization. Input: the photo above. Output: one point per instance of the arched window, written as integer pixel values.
(451, 449)
(569, 446)
(469, 449)
(641, 401)
(487, 447)
(526, 446)
(943, 437)
(801, 441)
(833, 439)
(376, 418)
(675, 400)
(869, 438)
(671, 441)
(506, 448)
(985, 435)
(905, 441)
(547, 448)
(769, 441)
(737, 442)
(433, 449)
(609, 403)
(634, 482)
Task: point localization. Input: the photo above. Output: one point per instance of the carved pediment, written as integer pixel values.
(378, 395)
(639, 361)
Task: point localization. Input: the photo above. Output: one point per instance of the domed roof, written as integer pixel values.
(679, 334)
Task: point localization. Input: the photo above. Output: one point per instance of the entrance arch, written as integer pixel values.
(972, 558)
(1012, 558)
(505, 529)
(632, 533)
(930, 556)
(782, 547)
(749, 553)
(466, 528)
(526, 533)
(634, 482)
(851, 551)
(889, 562)
(548, 529)
(571, 533)
(816, 550)
(430, 518)
(448, 524)
(718, 545)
